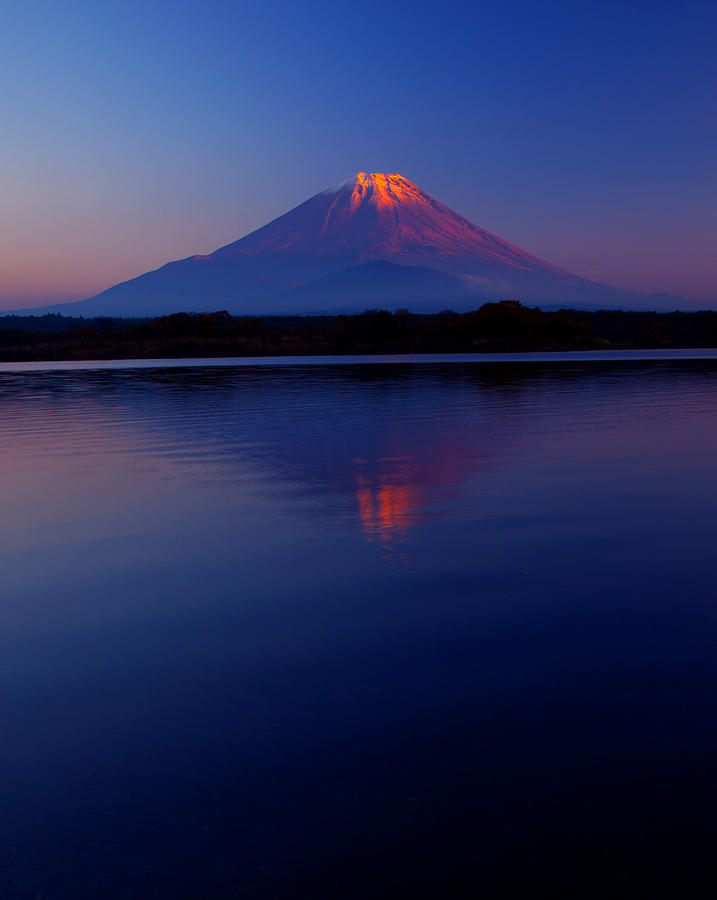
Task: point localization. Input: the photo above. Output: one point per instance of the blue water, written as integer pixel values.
(357, 630)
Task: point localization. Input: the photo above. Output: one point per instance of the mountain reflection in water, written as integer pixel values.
(389, 503)
(394, 493)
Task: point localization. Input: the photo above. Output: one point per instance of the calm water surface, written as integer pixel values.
(357, 630)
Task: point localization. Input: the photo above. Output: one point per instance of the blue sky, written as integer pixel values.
(134, 133)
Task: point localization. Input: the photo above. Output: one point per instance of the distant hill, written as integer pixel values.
(374, 240)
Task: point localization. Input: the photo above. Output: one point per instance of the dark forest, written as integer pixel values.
(496, 327)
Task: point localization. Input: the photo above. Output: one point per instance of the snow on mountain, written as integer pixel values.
(379, 216)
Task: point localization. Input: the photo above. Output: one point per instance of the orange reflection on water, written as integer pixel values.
(396, 493)
(387, 510)
(389, 500)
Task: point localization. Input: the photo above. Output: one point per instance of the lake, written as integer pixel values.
(360, 628)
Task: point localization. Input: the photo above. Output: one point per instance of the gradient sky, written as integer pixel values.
(138, 132)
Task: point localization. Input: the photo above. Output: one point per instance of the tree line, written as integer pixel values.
(496, 327)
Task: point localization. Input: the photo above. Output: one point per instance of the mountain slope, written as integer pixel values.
(287, 265)
(382, 284)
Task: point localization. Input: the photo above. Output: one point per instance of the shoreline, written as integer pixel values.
(550, 356)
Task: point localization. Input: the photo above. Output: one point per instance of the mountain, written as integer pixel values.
(374, 240)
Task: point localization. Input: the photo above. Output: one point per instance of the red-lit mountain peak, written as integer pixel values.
(381, 216)
(383, 190)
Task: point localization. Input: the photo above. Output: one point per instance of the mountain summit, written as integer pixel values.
(376, 216)
(374, 240)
